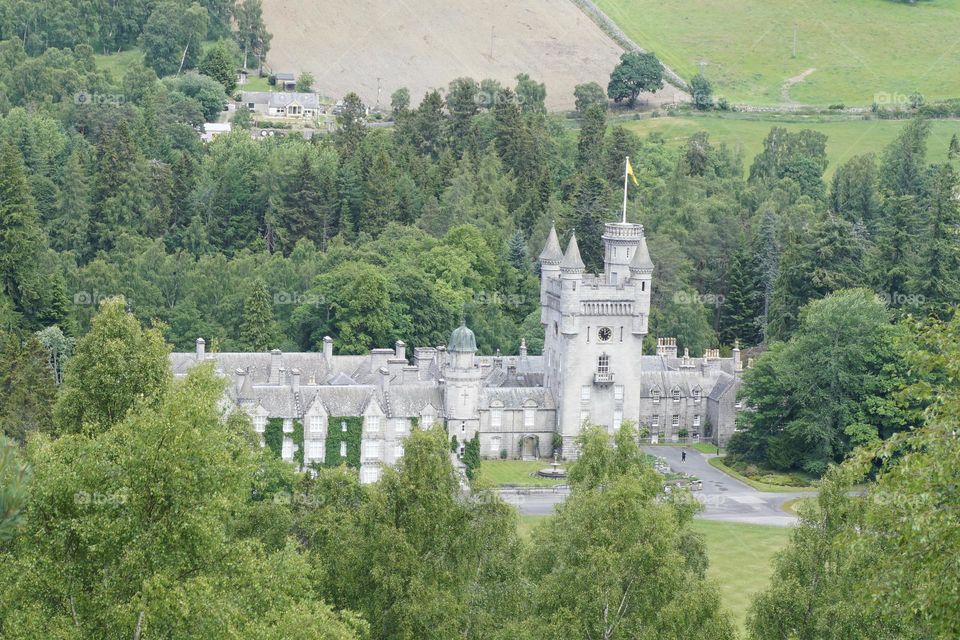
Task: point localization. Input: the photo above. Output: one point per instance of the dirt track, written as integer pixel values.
(423, 44)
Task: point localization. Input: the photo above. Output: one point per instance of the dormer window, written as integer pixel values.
(697, 394)
(655, 395)
(676, 395)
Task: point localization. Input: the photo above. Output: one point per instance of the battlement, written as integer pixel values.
(625, 231)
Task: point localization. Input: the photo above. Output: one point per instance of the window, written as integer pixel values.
(655, 395)
(738, 404)
(585, 393)
(696, 420)
(496, 418)
(373, 424)
(676, 395)
(286, 451)
(675, 421)
(584, 417)
(259, 423)
(495, 445)
(463, 427)
(251, 106)
(343, 448)
(617, 419)
(399, 426)
(654, 420)
(529, 418)
(288, 425)
(427, 420)
(618, 392)
(371, 450)
(315, 451)
(603, 363)
(398, 451)
(343, 426)
(316, 424)
(369, 475)
(697, 394)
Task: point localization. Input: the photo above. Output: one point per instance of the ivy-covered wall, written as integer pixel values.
(297, 437)
(273, 435)
(352, 436)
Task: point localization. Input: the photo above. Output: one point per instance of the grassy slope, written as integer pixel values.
(859, 48)
(741, 557)
(845, 138)
(515, 472)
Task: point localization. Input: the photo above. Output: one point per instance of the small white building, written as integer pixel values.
(281, 104)
(213, 129)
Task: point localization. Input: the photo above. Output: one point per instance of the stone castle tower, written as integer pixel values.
(594, 329)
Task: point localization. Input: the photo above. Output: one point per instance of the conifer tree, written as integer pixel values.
(517, 252)
(257, 327)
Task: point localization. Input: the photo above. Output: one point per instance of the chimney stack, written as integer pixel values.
(383, 380)
(667, 347)
(736, 356)
(400, 350)
(275, 366)
(327, 348)
(523, 347)
(201, 348)
(295, 380)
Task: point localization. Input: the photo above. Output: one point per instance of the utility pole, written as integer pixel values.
(378, 92)
(491, 42)
(795, 28)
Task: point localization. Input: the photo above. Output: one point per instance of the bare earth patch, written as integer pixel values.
(789, 82)
(423, 44)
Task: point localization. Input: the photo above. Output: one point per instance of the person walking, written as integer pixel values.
(683, 455)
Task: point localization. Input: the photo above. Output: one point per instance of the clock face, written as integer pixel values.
(604, 334)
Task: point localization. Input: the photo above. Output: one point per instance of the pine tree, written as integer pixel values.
(302, 214)
(937, 276)
(517, 252)
(892, 259)
(257, 326)
(591, 209)
(593, 127)
(954, 150)
(471, 456)
(742, 308)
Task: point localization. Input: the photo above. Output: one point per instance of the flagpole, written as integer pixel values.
(625, 165)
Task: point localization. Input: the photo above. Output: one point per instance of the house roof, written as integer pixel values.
(284, 77)
(281, 98)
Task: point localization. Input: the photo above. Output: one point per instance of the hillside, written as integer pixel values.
(854, 52)
(423, 44)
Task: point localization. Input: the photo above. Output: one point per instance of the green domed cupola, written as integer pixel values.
(462, 340)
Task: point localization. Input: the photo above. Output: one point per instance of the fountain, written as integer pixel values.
(555, 471)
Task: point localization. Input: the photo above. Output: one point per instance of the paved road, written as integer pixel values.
(724, 497)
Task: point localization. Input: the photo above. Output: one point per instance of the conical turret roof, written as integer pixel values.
(641, 258)
(551, 250)
(571, 259)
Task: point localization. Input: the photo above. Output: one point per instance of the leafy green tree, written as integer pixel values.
(27, 389)
(471, 456)
(637, 72)
(800, 156)
(305, 82)
(128, 533)
(173, 36)
(251, 34)
(219, 65)
(825, 391)
(588, 94)
(14, 477)
(116, 367)
(400, 101)
(531, 95)
(872, 562)
(702, 92)
(616, 562)
(351, 127)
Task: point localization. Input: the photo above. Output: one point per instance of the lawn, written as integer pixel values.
(118, 63)
(741, 559)
(759, 486)
(515, 473)
(860, 51)
(845, 137)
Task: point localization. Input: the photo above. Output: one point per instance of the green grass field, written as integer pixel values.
(515, 473)
(845, 137)
(859, 50)
(118, 63)
(759, 486)
(741, 557)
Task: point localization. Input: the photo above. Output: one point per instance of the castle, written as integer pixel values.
(359, 408)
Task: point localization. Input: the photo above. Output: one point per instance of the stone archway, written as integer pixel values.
(529, 447)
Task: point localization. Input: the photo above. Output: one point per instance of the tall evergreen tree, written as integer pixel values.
(257, 325)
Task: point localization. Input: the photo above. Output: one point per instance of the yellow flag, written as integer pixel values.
(631, 173)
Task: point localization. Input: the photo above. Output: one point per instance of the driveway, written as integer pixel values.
(724, 498)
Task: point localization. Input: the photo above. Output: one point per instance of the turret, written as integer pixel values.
(641, 275)
(620, 240)
(571, 275)
(550, 259)
(462, 347)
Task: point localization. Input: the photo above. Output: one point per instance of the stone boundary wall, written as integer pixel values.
(616, 33)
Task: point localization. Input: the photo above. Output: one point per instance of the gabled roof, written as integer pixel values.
(571, 259)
